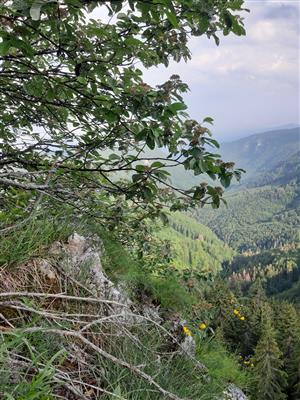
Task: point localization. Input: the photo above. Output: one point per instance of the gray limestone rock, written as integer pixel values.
(233, 393)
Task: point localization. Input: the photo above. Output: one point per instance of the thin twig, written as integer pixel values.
(62, 297)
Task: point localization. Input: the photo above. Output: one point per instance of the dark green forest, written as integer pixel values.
(257, 218)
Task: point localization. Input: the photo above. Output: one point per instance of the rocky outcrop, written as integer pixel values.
(188, 346)
(234, 393)
(81, 256)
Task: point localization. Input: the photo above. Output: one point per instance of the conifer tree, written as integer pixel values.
(269, 378)
(256, 304)
(294, 375)
(288, 334)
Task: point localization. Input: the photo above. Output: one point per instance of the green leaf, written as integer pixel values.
(209, 120)
(172, 19)
(157, 164)
(117, 391)
(147, 193)
(4, 47)
(150, 142)
(212, 142)
(137, 177)
(82, 80)
(228, 18)
(50, 95)
(114, 156)
(217, 40)
(225, 180)
(140, 168)
(237, 28)
(111, 116)
(35, 10)
(21, 45)
(203, 24)
(177, 107)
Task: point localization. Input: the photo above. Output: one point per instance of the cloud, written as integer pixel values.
(287, 11)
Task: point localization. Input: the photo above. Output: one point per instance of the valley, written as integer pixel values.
(261, 219)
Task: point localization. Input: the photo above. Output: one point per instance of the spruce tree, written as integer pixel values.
(288, 334)
(294, 375)
(269, 378)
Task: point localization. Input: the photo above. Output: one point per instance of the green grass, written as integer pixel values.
(28, 385)
(30, 240)
(222, 366)
(176, 374)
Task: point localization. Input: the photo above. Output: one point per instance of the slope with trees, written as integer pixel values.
(194, 246)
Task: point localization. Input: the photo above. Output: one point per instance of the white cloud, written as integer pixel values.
(263, 31)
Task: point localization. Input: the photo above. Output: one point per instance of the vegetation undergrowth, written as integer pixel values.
(48, 358)
(232, 332)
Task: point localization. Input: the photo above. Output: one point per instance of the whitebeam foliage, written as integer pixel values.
(75, 109)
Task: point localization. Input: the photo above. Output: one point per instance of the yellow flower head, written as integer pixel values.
(252, 365)
(186, 331)
(242, 318)
(236, 312)
(202, 326)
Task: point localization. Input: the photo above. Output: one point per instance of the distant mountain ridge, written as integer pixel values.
(262, 152)
(282, 173)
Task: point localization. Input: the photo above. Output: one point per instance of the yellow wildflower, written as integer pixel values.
(252, 365)
(242, 318)
(186, 331)
(202, 326)
(236, 312)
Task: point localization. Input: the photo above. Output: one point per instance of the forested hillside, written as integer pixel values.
(283, 172)
(194, 246)
(278, 269)
(256, 218)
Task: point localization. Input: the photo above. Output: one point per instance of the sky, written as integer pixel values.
(249, 83)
